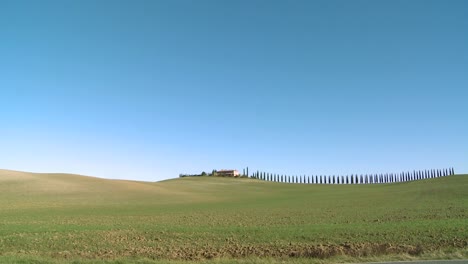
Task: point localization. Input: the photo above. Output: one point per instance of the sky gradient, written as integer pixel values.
(146, 90)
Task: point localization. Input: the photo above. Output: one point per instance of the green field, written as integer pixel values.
(69, 218)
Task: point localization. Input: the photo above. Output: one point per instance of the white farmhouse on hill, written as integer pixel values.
(230, 173)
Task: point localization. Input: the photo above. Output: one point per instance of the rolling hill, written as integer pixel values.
(58, 217)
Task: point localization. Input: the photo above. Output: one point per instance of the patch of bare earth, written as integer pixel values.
(239, 251)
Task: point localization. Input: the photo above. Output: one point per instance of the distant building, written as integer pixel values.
(229, 173)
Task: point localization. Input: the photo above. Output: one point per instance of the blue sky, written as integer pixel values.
(146, 90)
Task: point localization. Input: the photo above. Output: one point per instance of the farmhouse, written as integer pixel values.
(229, 173)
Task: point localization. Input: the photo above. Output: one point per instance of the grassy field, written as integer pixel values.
(60, 218)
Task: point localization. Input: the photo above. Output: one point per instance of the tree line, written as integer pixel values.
(355, 178)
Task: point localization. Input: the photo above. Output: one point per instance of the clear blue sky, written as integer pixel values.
(149, 89)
